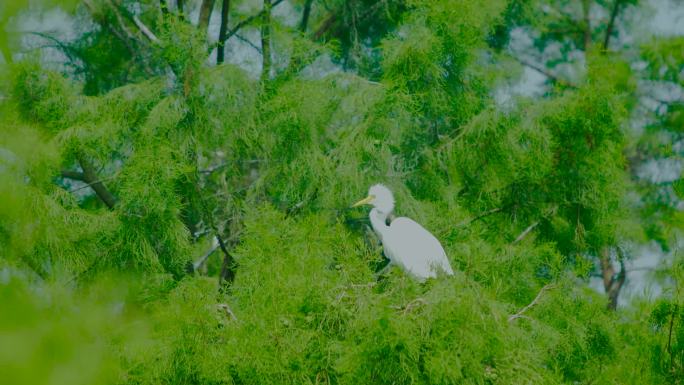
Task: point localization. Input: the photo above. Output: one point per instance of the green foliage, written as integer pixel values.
(55, 335)
(521, 198)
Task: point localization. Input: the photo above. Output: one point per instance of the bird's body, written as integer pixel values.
(406, 243)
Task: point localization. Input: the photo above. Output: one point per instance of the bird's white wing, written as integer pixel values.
(412, 247)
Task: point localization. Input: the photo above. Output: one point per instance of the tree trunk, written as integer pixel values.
(305, 15)
(611, 24)
(250, 20)
(587, 24)
(164, 7)
(206, 9)
(612, 282)
(4, 45)
(180, 7)
(325, 26)
(221, 49)
(266, 41)
(228, 267)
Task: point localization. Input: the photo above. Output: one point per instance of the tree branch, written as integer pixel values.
(120, 20)
(220, 48)
(145, 30)
(305, 16)
(70, 53)
(669, 336)
(329, 22)
(124, 40)
(607, 270)
(75, 175)
(617, 282)
(611, 24)
(90, 184)
(4, 45)
(90, 177)
(180, 5)
(219, 166)
(228, 265)
(612, 281)
(197, 264)
(248, 20)
(164, 7)
(587, 24)
(206, 9)
(519, 314)
(248, 42)
(266, 41)
(325, 26)
(554, 78)
(409, 307)
(482, 215)
(525, 232)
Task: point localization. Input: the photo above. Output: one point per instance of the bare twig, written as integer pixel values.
(525, 232)
(484, 214)
(248, 20)
(90, 184)
(213, 169)
(343, 292)
(202, 260)
(219, 166)
(519, 314)
(145, 30)
(331, 20)
(120, 20)
(553, 77)
(129, 40)
(124, 40)
(409, 307)
(363, 285)
(66, 49)
(248, 42)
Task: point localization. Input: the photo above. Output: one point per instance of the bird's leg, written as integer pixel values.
(385, 269)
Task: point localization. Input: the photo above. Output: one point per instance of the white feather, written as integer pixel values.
(405, 242)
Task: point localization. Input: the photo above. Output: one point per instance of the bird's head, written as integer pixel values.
(379, 197)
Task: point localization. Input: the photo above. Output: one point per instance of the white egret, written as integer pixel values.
(406, 243)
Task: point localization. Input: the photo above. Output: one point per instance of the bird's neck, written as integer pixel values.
(378, 221)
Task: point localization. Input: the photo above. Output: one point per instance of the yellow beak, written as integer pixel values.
(364, 201)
